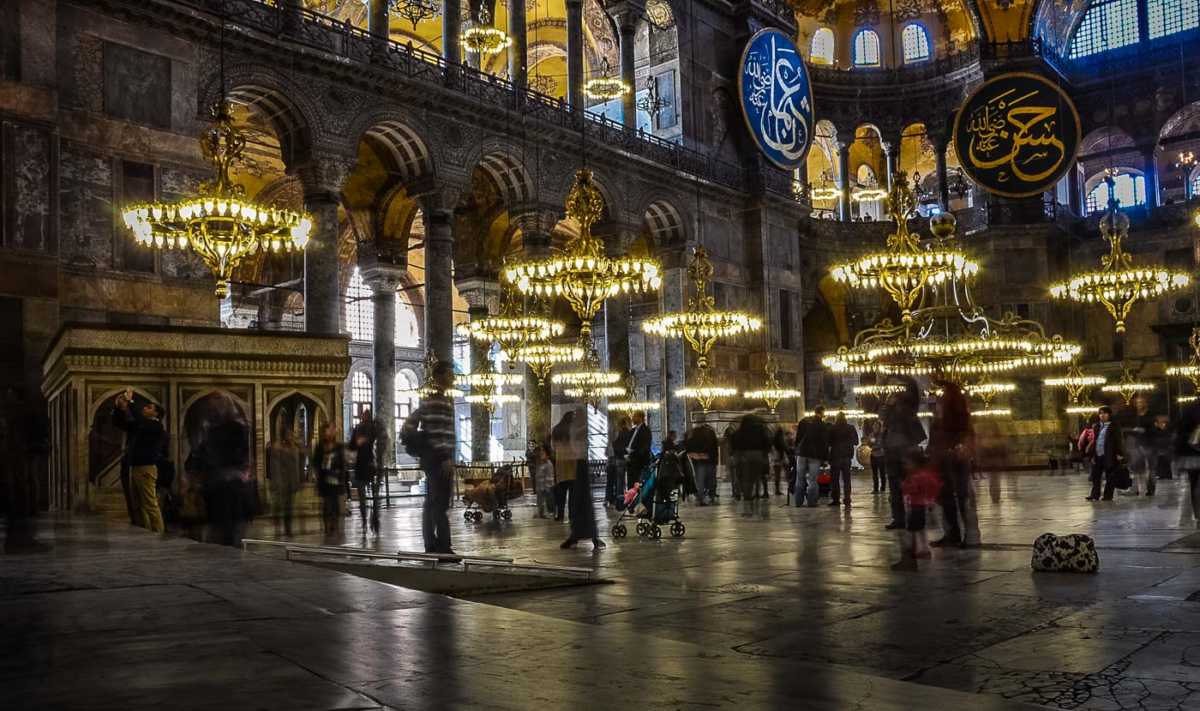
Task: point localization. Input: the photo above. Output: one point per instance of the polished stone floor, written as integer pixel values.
(790, 608)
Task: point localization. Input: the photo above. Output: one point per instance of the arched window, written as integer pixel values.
(408, 335)
(1194, 184)
(361, 393)
(360, 313)
(1128, 188)
(916, 43)
(822, 47)
(406, 401)
(866, 49)
(1166, 17)
(1108, 24)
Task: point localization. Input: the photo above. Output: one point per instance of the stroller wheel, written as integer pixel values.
(643, 528)
(656, 531)
(618, 531)
(507, 515)
(678, 529)
(468, 516)
(478, 516)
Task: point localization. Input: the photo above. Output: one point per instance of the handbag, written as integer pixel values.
(1120, 477)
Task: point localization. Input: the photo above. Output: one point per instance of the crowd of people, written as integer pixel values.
(915, 467)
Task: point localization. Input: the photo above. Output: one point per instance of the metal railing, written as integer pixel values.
(353, 44)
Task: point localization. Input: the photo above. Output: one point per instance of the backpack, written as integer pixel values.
(416, 443)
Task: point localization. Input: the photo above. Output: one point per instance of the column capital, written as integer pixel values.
(481, 294)
(626, 13)
(322, 175)
(383, 274)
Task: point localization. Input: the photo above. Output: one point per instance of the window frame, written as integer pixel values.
(831, 58)
(855, 56)
(925, 42)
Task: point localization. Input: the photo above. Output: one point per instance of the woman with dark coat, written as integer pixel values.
(750, 444)
(902, 433)
(949, 445)
(329, 462)
(572, 452)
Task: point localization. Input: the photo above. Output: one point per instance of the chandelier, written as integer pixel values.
(589, 381)
(1128, 386)
(1185, 399)
(541, 357)
(416, 11)
(705, 391)
(486, 386)
(907, 267)
(427, 388)
(653, 102)
(480, 37)
(772, 392)
(850, 414)
(867, 194)
(218, 224)
(1075, 382)
(1118, 285)
(701, 324)
(1190, 370)
(511, 329)
(992, 412)
(951, 336)
(878, 390)
(1084, 409)
(606, 87)
(825, 192)
(631, 405)
(582, 273)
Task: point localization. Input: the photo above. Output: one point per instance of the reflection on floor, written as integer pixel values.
(788, 608)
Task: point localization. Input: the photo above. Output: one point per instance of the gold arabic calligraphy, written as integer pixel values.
(778, 92)
(1015, 137)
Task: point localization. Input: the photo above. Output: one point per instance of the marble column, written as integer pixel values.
(575, 78)
(843, 156)
(384, 279)
(627, 26)
(439, 273)
(481, 419)
(518, 53)
(451, 31)
(673, 297)
(943, 175)
(377, 21)
(321, 178)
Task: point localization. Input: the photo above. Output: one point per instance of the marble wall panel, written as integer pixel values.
(29, 206)
(137, 85)
(86, 200)
(174, 184)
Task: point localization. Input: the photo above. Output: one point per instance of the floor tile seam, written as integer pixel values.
(379, 704)
(1047, 624)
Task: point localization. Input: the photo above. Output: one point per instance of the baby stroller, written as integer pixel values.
(658, 494)
(491, 496)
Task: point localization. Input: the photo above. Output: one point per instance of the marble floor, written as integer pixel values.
(789, 608)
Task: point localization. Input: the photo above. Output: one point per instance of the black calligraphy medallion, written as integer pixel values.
(1017, 134)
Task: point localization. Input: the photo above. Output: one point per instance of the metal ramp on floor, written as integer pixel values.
(431, 572)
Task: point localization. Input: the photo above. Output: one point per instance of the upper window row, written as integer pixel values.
(1111, 24)
(914, 40)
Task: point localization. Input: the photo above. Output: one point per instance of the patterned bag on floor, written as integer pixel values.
(1075, 553)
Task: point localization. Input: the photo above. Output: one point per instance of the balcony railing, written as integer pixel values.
(354, 44)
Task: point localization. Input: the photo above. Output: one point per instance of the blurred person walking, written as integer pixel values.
(228, 494)
(902, 434)
(366, 480)
(641, 440)
(703, 449)
(843, 438)
(1107, 449)
(1187, 453)
(573, 453)
(564, 466)
(433, 424)
(874, 439)
(618, 450)
(329, 464)
(285, 474)
(950, 442)
(750, 444)
(812, 450)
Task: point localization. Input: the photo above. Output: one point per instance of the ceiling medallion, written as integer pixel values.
(218, 224)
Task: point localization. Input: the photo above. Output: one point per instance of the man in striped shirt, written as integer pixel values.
(434, 419)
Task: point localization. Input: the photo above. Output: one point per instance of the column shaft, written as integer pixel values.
(518, 53)
(628, 71)
(943, 175)
(451, 29)
(1074, 191)
(890, 166)
(377, 18)
(575, 77)
(439, 301)
(384, 300)
(322, 297)
(1150, 168)
(481, 420)
(844, 176)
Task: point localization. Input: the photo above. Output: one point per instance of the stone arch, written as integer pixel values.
(400, 141)
(284, 104)
(664, 222)
(507, 167)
